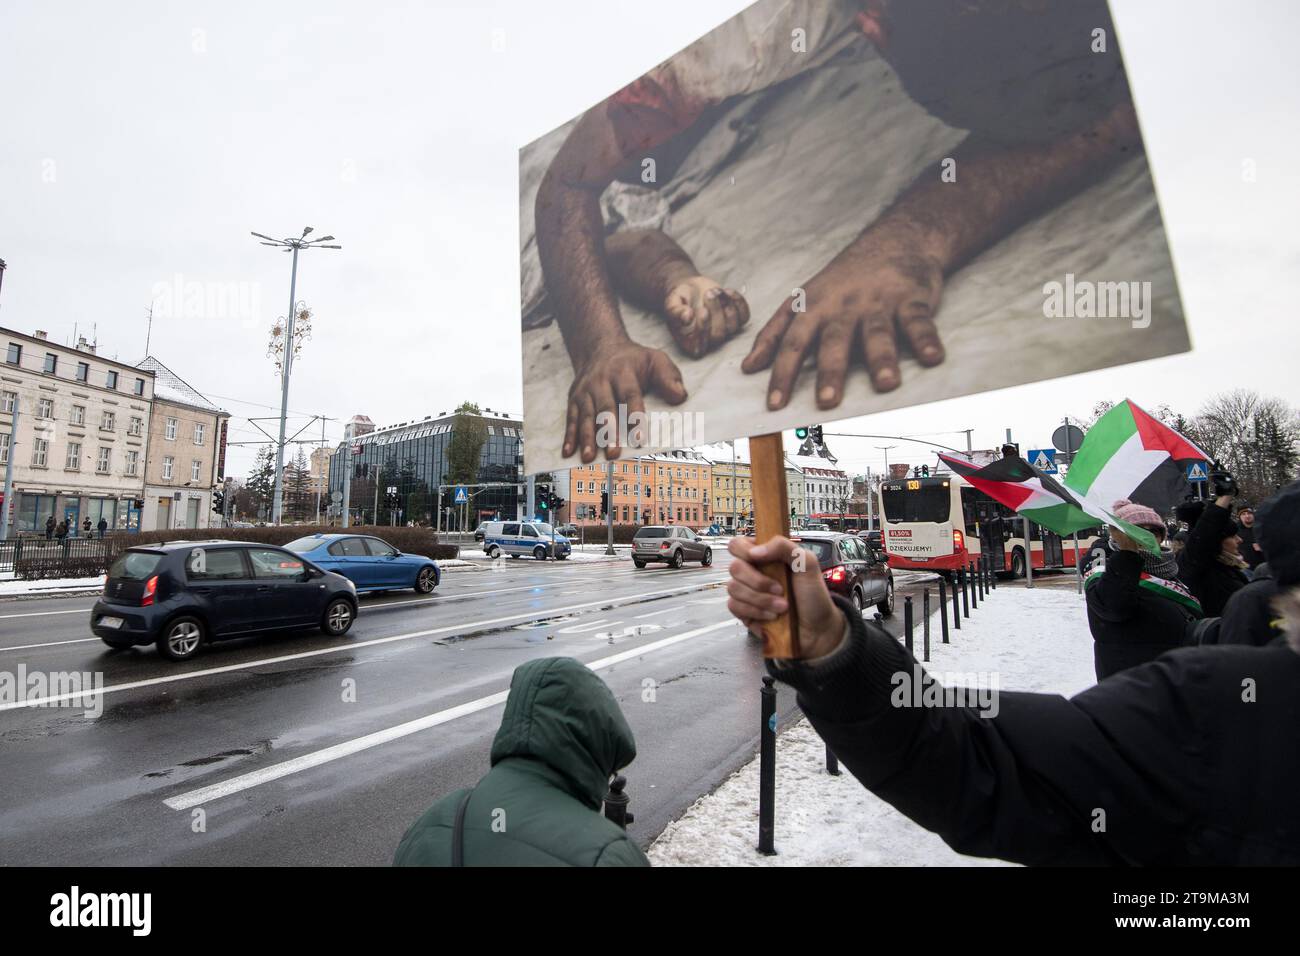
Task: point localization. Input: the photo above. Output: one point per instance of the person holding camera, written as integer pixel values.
(1251, 615)
(1211, 565)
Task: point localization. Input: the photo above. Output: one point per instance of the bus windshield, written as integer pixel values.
(927, 502)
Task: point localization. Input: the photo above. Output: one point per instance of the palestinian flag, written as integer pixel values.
(1042, 499)
(1173, 590)
(1129, 454)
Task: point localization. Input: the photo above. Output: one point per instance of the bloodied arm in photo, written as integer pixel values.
(1048, 115)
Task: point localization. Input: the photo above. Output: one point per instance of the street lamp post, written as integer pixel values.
(286, 366)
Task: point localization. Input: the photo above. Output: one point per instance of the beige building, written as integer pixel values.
(79, 448)
(320, 471)
(186, 454)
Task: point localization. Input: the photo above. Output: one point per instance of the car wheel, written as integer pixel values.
(1017, 563)
(181, 638)
(708, 558)
(678, 561)
(426, 581)
(857, 600)
(338, 617)
(539, 553)
(886, 607)
(493, 552)
(638, 562)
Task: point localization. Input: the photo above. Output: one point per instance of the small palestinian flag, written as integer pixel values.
(1129, 454)
(1165, 587)
(1042, 499)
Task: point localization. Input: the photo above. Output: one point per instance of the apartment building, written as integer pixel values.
(672, 487)
(79, 447)
(186, 454)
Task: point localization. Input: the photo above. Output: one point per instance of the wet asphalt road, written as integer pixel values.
(300, 749)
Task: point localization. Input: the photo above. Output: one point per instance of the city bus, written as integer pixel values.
(941, 523)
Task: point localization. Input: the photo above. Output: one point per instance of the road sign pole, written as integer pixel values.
(347, 475)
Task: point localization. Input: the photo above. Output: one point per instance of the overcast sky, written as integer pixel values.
(142, 141)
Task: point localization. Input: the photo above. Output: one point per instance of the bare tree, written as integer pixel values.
(1254, 436)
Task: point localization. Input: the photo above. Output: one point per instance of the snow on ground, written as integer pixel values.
(9, 587)
(1033, 640)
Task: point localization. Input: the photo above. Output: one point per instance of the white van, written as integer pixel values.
(518, 538)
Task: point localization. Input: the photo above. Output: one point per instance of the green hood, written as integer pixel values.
(559, 712)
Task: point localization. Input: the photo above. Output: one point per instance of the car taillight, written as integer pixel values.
(150, 588)
(958, 541)
(836, 574)
(664, 546)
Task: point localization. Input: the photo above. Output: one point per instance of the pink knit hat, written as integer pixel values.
(1140, 515)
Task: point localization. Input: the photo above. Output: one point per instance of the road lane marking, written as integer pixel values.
(347, 748)
(80, 610)
(667, 610)
(301, 655)
(28, 647)
(581, 628)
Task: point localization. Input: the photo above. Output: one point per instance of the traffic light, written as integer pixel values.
(557, 503)
(604, 503)
(543, 498)
(816, 432)
(925, 471)
(801, 432)
(219, 502)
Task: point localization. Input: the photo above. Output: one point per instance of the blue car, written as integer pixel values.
(370, 563)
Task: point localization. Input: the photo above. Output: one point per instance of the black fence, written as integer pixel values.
(34, 557)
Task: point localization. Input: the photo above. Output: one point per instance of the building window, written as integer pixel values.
(136, 427)
(110, 380)
(139, 386)
(170, 432)
(73, 462)
(51, 363)
(7, 402)
(168, 462)
(83, 371)
(40, 448)
(15, 354)
(198, 433)
(132, 462)
(195, 467)
(108, 422)
(4, 448)
(105, 457)
(78, 415)
(45, 408)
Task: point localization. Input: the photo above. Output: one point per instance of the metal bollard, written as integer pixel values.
(907, 622)
(988, 576)
(956, 609)
(767, 769)
(925, 624)
(616, 802)
(979, 577)
(965, 594)
(832, 762)
(974, 585)
(943, 608)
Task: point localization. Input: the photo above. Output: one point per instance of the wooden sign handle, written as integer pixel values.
(772, 518)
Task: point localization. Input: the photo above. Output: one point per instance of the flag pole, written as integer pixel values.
(772, 518)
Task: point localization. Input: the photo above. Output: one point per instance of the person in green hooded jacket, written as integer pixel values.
(561, 738)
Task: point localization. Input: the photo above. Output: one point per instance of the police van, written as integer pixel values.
(520, 538)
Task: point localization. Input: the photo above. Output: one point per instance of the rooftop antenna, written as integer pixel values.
(148, 332)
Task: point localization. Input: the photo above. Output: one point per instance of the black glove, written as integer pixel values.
(1222, 481)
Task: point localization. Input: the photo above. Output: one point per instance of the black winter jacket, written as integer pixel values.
(1133, 619)
(1184, 770)
(1208, 578)
(1249, 617)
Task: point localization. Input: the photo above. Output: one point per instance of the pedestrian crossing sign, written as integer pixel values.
(1044, 459)
(1196, 471)
(461, 496)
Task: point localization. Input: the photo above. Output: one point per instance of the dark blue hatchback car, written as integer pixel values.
(370, 563)
(182, 594)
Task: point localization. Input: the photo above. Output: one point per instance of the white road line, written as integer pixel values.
(80, 610)
(283, 658)
(255, 778)
(28, 647)
(581, 628)
(667, 610)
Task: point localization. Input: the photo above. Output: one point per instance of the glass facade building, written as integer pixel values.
(413, 459)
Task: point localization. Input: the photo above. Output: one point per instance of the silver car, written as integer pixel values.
(669, 544)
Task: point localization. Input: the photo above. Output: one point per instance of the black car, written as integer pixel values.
(182, 594)
(852, 568)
